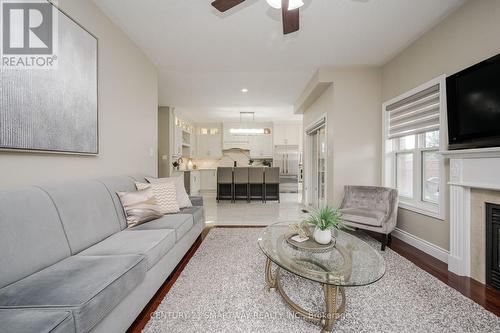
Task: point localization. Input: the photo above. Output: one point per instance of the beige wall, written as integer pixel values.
(354, 127)
(163, 141)
(128, 104)
(321, 106)
(467, 36)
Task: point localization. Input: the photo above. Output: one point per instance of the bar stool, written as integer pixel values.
(241, 183)
(256, 183)
(272, 183)
(225, 188)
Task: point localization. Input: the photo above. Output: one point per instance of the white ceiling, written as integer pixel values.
(205, 58)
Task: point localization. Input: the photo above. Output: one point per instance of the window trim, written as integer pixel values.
(389, 159)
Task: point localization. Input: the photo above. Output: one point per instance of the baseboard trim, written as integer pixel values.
(421, 244)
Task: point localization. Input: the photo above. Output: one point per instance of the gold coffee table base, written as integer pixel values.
(332, 293)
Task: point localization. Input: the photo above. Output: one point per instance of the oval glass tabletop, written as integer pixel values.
(352, 262)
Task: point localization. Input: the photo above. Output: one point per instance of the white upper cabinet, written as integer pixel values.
(183, 138)
(259, 139)
(209, 138)
(288, 134)
(280, 134)
(230, 140)
(261, 146)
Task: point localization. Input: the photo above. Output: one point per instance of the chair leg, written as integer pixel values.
(389, 240)
(385, 240)
(218, 192)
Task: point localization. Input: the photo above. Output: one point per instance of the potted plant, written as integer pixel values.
(325, 219)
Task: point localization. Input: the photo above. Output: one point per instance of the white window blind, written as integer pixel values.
(418, 113)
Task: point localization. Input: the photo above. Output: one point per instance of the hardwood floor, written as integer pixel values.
(486, 296)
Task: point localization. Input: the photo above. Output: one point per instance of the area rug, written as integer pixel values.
(222, 289)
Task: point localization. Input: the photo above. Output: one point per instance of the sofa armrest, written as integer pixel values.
(196, 200)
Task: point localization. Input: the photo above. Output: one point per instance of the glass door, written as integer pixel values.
(321, 158)
(318, 159)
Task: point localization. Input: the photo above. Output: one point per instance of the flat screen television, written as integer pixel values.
(473, 97)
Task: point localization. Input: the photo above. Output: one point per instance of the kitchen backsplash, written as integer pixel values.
(242, 158)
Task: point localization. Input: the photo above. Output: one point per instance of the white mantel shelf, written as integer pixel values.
(476, 185)
(472, 153)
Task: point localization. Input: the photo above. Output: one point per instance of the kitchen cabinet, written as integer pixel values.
(209, 142)
(191, 180)
(194, 182)
(208, 180)
(183, 138)
(288, 135)
(230, 140)
(177, 141)
(261, 146)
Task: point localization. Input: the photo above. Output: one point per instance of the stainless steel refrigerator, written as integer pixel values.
(287, 158)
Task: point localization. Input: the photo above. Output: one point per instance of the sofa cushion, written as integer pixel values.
(140, 206)
(88, 286)
(363, 216)
(31, 233)
(87, 212)
(36, 321)
(181, 223)
(151, 244)
(197, 212)
(180, 190)
(164, 194)
(119, 184)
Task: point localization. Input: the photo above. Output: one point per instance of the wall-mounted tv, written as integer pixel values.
(473, 97)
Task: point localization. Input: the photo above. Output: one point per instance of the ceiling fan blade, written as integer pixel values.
(290, 18)
(223, 5)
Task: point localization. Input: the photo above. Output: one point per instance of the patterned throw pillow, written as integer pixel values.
(165, 194)
(182, 196)
(139, 206)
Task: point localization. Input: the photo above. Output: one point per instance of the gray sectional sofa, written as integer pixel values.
(69, 264)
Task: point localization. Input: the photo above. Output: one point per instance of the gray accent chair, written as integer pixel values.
(256, 183)
(74, 266)
(371, 208)
(240, 183)
(225, 188)
(272, 183)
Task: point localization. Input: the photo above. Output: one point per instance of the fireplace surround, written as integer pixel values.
(471, 171)
(493, 245)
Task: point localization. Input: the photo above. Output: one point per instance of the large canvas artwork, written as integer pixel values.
(53, 109)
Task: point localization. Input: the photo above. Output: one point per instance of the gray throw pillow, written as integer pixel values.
(140, 206)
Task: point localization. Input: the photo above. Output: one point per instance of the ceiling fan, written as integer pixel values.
(289, 11)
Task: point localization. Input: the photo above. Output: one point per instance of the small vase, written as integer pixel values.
(322, 236)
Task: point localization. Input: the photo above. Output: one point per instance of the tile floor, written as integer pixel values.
(254, 213)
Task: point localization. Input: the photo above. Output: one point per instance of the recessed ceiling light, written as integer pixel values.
(244, 90)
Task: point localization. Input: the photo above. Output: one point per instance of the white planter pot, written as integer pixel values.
(322, 236)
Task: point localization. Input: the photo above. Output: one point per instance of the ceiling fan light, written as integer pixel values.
(274, 3)
(294, 4)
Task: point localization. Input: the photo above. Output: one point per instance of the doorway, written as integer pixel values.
(316, 187)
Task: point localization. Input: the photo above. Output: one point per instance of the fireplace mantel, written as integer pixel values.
(471, 168)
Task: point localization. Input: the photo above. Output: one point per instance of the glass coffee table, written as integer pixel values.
(351, 263)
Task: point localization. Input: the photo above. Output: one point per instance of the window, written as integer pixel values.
(413, 138)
